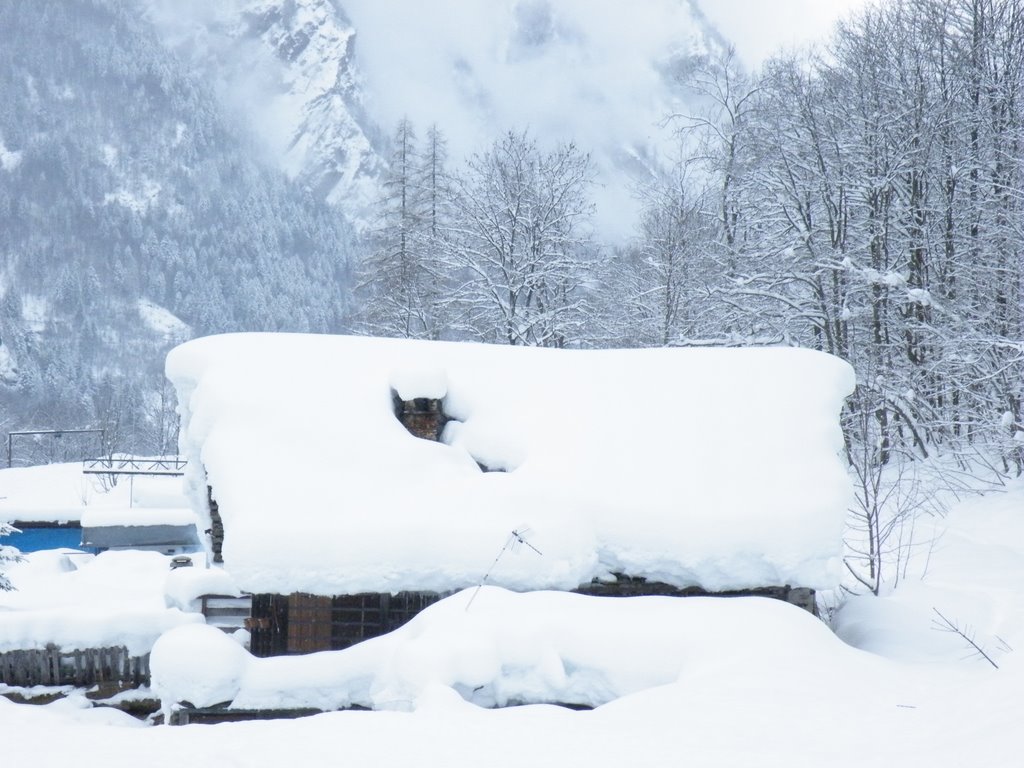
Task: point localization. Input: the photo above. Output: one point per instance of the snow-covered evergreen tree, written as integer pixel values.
(129, 184)
(7, 555)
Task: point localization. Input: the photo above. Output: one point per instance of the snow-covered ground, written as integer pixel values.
(63, 493)
(56, 493)
(707, 682)
(78, 600)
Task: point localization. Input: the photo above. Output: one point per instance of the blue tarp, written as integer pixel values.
(36, 539)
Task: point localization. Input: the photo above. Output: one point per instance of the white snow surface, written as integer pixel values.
(162, 321)
(55, 493)
(503, 648)
(137, 516)
(184, 586)
(710, 467)
(750, 682)
(158, 491)
(8, 365)
(9, 159)
(62, 493)
(78, 601)
(972, 575)
(197, 664)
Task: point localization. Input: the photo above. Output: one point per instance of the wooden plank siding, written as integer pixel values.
(627, 586)
(216, 527)
(54, 666)
(309, 623)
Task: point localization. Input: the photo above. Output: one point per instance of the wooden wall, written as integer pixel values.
(626, 586)
(54, 666)
(302, 623)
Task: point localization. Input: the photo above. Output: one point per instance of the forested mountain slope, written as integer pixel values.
(131, 215)
(288, 69)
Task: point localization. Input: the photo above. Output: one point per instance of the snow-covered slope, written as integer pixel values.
(133, 214)
(286, 68)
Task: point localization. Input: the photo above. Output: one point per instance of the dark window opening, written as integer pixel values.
(424, 417)
(302, 623)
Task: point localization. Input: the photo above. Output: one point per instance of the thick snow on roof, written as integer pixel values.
(710, 467)
(134, 517)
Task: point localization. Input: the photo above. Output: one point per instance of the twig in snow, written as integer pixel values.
(945, 625)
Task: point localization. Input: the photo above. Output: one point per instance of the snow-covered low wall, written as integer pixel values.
(504, 648)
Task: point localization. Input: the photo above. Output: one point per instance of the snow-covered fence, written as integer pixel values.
(55, 666)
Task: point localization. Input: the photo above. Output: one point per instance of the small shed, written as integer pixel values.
(168, 531)
(347, 482)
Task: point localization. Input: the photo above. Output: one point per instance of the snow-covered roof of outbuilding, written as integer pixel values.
(710, 467)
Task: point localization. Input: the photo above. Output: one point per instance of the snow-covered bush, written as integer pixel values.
(7, 555)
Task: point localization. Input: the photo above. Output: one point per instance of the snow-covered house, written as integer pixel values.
(666, 471)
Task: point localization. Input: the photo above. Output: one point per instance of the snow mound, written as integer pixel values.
(111, 599)
(969, 579)
(136, 516)
(158, 492)
(185, 586)
(505, 649)
(197, 664)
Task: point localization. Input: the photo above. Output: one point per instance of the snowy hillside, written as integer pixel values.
(133, 214)
(286, 69)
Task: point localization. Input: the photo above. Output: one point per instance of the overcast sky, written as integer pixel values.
(759, 28)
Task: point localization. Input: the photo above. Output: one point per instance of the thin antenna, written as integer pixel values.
(520, 538)
(517, 537)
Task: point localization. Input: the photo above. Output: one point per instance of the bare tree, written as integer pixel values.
(656, 289)
(519, 243)
(868, 204)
